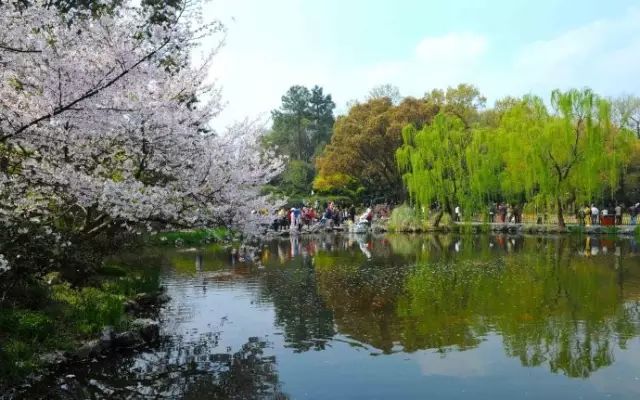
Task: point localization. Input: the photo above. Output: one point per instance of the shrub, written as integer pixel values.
(407, 219)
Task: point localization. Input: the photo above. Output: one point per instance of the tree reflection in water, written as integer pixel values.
(551, 302)
(175, 371)
(566, 304)
(300, 311)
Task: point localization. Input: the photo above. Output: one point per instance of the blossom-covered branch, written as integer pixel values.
(105, 125)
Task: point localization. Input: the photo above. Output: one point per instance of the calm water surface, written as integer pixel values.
(402, 317)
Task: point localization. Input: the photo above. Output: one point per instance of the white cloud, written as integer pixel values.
(451, 48)
(603, 55)
(437, 61)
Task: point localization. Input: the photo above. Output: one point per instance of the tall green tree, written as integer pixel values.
(448, 164)
(573, 154)
(321, 118)
(450, 161)
(432, 160)
(361, 154)
(301, 128)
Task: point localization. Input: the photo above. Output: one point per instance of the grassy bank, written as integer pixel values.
(54, 316)
(60, 310)
(194, 237)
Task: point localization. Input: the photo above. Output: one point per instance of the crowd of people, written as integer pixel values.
(333, 215)
(505, 213)
(586, 215)
(592, 215)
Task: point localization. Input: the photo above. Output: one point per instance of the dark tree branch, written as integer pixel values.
(16, 50)
(87, 95)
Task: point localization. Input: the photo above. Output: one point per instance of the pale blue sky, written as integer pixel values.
(502, 46)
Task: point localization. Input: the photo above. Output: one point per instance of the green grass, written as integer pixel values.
(576, 229)
(23, 334)
(66, 316)
(611, 230)
(89, 309)
(192, 238)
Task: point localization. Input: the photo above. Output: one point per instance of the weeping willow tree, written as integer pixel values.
(447, 163)
(573, 154)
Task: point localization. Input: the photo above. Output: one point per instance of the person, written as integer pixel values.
(292, 218)
(297, 214)
(580, 216)
(335, 214)
(352, 213)
(492, 213)
(586, 211)
(633, 211)
(312, 215)
(327, 216)
(618, 210)
(281, 220)
(367, 216)
(509, 213)
(457, 213)
(502, 212)
(594, 214)
(305, 217)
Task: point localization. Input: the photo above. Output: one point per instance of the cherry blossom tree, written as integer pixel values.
(105, 126)
(104, 122)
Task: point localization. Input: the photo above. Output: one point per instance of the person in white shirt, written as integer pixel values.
(618, 214)
(594, 214)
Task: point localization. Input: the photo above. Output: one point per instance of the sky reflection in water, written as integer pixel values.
(394, 317)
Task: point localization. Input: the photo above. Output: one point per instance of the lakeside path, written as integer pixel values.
(548, 228)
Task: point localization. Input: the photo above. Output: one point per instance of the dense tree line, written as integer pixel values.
(360, 159)
(573, 153)
(448, 149)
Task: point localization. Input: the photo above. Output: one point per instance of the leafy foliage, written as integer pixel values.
(362, 148)
(573, 154)
(520, 151)
(301, 128)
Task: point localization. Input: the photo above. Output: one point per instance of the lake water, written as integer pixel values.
(388, 317)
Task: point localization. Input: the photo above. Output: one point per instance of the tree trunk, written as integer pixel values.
(560, 216)
(436, 222)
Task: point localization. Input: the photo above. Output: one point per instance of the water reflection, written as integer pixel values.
(367, 314)
(555, 301)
